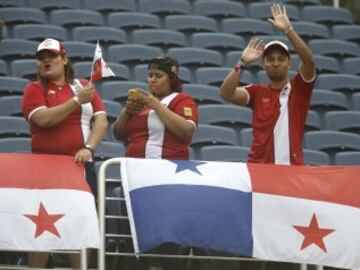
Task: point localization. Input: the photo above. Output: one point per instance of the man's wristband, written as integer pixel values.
(239, 66)
(289, 30)
(76, 99)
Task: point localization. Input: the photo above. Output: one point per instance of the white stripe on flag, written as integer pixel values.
(78, 228)
(276, 239)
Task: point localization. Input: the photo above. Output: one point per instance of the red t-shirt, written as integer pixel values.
(147, 136)
(265, 102)
(69, 136)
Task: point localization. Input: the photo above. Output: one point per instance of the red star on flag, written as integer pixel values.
(313, 234)
(45, 222)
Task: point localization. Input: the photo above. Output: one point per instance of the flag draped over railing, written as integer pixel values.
(272, 212)
(45, 204)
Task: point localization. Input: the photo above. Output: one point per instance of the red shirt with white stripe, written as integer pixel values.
(279, 117)
(69, 136)
(147, 136)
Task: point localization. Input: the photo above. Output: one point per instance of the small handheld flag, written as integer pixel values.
(99, 68)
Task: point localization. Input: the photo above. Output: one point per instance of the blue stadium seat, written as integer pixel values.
(311, 30)
(133, 20)
(262, 11)
(3, 68)
(227, 115)
(312, 121)
(165, 7)
(216, 75)
(83, 70)
(15, 145)
(348, 158)
(12, 86)
(106, 150)
(301, 3)
(352, 65)
(246, 137)
(222, 42)
(159, 37)
(331, 142)
(212, 135)
(76, 17)
(79, 51)
(224, 153)
(246, 27)
(11, 49)
(105, 35)
(19, 15)
(315, 157)
(141, 73)
(196, 57)
(11, 106)
(54, 4)
(39, 32)
(347, 32)
(11, 126)
(219, 9)
(106, 6)
(190, 23)
(132, 53)
(334, 47)
(203, 94)
(323, 101)
(12, 3)
(112, 111)
(343, 121)
(327, 15)
(345, 83)
(324, 64)
(26, 69)
(118, 91)
(356, 101)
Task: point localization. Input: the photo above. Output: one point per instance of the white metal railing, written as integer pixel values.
(102, 222)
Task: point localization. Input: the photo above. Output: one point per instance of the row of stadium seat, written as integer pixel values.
(326, 149)
(215, 9)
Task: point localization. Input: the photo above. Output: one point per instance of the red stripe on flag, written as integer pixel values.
(330, 184)
(97, 70)
(37, 171)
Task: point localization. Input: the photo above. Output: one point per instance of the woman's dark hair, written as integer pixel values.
(69, 74)
(171, 67)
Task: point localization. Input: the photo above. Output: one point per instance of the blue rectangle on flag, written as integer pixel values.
(195, 215)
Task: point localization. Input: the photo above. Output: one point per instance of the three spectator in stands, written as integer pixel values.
(280, 107)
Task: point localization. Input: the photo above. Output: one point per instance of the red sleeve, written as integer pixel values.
(305, 87)
(251, 88)
(185, 106)
(33, 98)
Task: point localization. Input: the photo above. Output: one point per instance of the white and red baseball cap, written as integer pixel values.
(53, 45)
(276, 43)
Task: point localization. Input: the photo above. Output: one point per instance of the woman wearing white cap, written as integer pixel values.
(279, 107)
(66, 117)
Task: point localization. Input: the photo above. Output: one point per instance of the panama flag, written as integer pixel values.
(99, 68)
(45, 204)
(272, 212)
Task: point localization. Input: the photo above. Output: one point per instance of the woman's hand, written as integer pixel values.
(149, 100)
(86, 94)
(84, 155)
